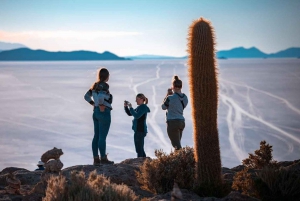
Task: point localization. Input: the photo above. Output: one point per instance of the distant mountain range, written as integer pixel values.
(10, 46)
(25, 54)
(19, 52)
(239, 52)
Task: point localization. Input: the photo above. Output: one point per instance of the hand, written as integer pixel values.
(170, 92)
(129, 104)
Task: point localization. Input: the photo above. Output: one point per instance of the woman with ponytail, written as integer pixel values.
(139, 125)
(175, 102)
(99, 97)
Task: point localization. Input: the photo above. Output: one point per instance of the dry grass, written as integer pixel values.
(158, 175)
(94, 188)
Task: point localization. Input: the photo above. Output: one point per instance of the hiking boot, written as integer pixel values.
(97, 161)
(104, 160)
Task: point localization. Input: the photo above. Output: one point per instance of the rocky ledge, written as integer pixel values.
(21, 184)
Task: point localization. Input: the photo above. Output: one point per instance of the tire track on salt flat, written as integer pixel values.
(259, 119)
(288, 104)
(234, 121)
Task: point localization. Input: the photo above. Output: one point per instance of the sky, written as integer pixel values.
(135, 27)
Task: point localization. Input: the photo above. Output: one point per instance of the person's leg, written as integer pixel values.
(142, 144)
(96, 135)
(139, 143)
(174, 133)
(103, 125)
(95, 139)
(182, 126)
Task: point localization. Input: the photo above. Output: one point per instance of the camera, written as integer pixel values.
(127, 102)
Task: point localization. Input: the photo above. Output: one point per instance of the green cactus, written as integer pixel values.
(203, 84)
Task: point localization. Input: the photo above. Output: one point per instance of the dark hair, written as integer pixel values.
(177, 83)
(102, 75)
(142, 96)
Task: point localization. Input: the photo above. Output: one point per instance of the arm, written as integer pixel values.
(127, 111)
(88, 97)
(137, 114)
(165, 104)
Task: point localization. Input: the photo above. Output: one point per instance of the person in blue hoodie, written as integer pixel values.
(139, 125)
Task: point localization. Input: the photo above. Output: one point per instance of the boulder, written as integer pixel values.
(51, 154)
(53, 166)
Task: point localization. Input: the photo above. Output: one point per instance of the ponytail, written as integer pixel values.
(177, 83)
(142, 96)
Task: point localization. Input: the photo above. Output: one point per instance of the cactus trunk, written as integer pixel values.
(204, 100)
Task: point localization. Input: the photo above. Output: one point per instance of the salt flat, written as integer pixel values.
(42, 106)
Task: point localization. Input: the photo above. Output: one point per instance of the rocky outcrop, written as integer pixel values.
(32, 184)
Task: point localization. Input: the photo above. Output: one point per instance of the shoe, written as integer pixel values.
(97, 161)
(104, 160)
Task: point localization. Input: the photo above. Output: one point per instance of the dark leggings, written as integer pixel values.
(174, 129)
(139, 143)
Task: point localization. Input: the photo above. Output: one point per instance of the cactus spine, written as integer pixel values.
(204, 100)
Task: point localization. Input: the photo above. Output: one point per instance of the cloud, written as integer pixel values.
(62, 34)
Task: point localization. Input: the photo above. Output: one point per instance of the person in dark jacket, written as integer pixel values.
(139, 125)
(40, 166)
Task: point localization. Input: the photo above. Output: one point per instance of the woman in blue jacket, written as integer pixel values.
(139, 125)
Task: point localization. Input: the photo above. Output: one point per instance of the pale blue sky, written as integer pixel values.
(132, 27)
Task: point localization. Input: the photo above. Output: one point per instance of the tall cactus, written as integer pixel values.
(203, 83)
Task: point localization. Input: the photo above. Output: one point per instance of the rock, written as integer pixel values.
(13, 182)
(186, 196)
(237, 196)
(11, 170)
(176, 193)
(39, 188)
(28, 178)
(51, 154)
(3, 179)
(238, 168)
(53, 166)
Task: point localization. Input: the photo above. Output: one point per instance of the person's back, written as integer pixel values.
(174, 103)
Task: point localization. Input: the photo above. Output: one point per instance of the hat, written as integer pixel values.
(40, 163)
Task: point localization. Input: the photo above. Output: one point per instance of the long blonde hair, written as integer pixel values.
(142, 96)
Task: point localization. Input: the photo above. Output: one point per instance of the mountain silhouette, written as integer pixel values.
(241, 52)
(10, 46)
(290, 52)
(26, 54)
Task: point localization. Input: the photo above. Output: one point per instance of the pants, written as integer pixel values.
(174, 129)
(139, 143)
(101, 127)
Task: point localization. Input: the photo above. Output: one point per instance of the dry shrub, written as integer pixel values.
(158, 175)
(78, 188)
(261, 157)
(278, 184)
(243, 182)
(56, 189)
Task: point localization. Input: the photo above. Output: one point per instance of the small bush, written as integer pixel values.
(261, 157)
(278, 184)
(244, 183)
(78, 188)
(158, 175)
